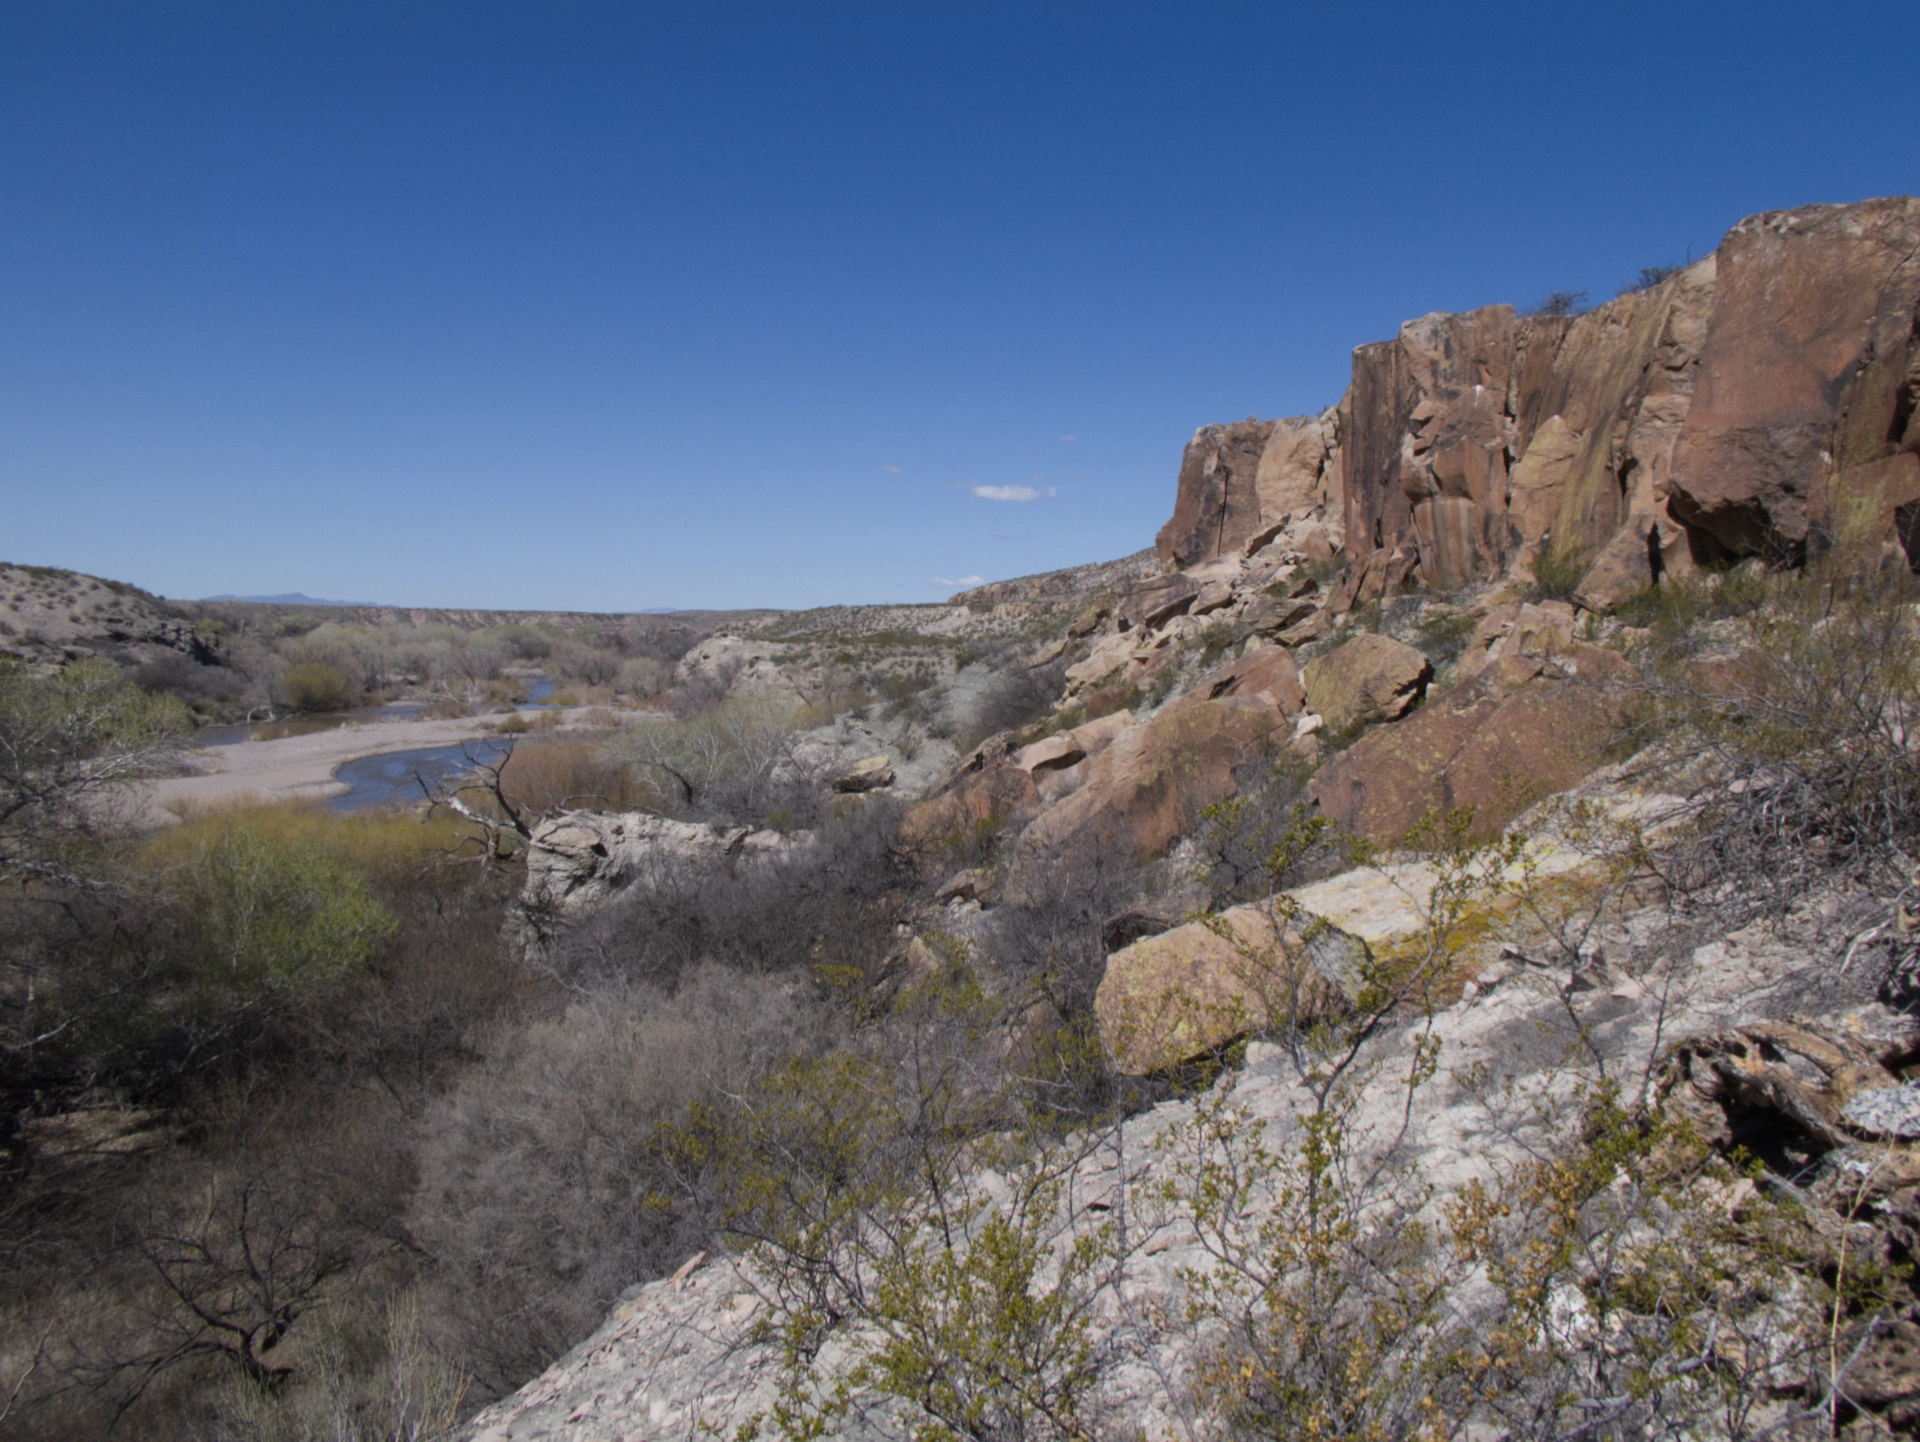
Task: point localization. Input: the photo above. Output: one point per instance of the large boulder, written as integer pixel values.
(1808, 368)
(1266, 674)
(1144, 791)
(1370, 678)
(1187, 992)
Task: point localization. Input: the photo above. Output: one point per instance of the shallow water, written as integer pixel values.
(395, 777)
(306, 725)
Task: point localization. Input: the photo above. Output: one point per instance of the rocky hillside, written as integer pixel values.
(49, 615)
(1461, 838)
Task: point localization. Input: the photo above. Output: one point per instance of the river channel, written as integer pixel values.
(396, 777)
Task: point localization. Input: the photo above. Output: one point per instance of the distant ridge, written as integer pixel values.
(300, 598)
(297, 598)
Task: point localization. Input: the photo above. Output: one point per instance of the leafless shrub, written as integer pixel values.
(720, 762)
(825, 905)
(542, 1180)
(1017, 696)
(1789, 727)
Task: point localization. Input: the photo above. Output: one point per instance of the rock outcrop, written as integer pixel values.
(1240, 483)
(1497, 743)
(1747, 405)
(1809, 369)
(579, 860)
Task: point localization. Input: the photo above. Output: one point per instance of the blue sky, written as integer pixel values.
(614, 306)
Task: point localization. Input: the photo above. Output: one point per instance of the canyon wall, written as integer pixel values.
(1759, 402)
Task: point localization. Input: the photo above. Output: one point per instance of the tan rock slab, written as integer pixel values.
(1370, 678)
(1171, 998)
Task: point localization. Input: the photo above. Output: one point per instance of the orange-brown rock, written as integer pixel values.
(1144, 791)
(1154, 601)
(1267, 674)
(1370, 678)
(1497, 743)
(1237, 481)
(996, 792)
(1808, 367)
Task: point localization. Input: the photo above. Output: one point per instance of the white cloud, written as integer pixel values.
(893, 470)
(1014, 493)
(1069, 438)
(961, 582)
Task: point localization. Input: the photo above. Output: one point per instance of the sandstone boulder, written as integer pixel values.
(869, 774)
(1184, 993)
(1370, 678)
(578, 861)
(1143, 792)
(1049, 754)
(1266, 674)
(1088, 621)
(976, 803)
(1155, 601)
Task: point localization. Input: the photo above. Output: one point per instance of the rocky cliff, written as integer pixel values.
(1760, 402)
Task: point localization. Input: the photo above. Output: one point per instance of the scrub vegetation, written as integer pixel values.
(297, 1143)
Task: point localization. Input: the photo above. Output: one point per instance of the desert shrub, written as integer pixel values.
(587, 665)
(523, 643)
(1557, 575)
(1443, 633)
(719, 762)
(643, 676)
(858, 1178)
(1678, 607)
(1162, 685)
(267, 920)
(1787, 726)
(1651, 276)
(1560, 303)
(1264, 837)
(70, 745)
(1216, 639)
(823, 904)
(544, 1186)
(364, 1384)
(317, 686)
(1014, 698)
(182, 676)
(554, 774)
(388, 847)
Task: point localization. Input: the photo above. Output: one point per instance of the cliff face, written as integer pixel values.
(1760, 402)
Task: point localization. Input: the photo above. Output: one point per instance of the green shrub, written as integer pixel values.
(1442, 635)
(317, 686)
(1557, 575)
(271, 917)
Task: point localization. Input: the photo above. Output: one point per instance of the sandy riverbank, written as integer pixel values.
(300, 766)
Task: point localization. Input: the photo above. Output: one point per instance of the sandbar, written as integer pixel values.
(299, 766)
